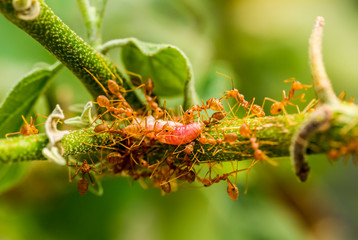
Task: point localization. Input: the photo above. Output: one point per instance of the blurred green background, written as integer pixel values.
(257, 42)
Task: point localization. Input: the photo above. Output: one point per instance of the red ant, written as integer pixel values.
(212, 103)
(85, 168)
(148, 87)
(27, 129)
(277, 106)
(342, 96)
(215, 104)
(228, 138)
(114, 158)
(232, 190)
(250, 107)
(259, 155)
(245, 131)
(161, 178)
(215, 117)
(103, 101)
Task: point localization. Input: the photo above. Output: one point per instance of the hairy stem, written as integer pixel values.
(66, 46)
(93, 20)
(273, 134)
(322, 84)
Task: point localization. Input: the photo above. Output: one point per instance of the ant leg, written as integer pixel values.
(34, 120)
(116, 74)
(9, 134)
(99, 116)
(101, 160)
(222, 141)
(289, 80)
(232, 82)
(105, 65)
(90, 178)
(227, 101)
(238, 106)
(205, 109)
(78, 169)
(247, 175)
(89, 155)
(99, 83)
(159, 162)
(100, 146)
(23, 118)
(268, 99)
(136, 75)
(69, 169)
(213, 144)
(295, 105)
(301, 97)
(310, 105)
(251, 103)
(133, 160)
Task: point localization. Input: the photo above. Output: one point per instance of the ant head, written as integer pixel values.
(189, 113)
(158, 112)
(202, 139)
(276, 108)
(143, 163)
(34, 130)
(297, 85)
(167, 128)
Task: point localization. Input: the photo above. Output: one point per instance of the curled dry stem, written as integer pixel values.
(322, 84)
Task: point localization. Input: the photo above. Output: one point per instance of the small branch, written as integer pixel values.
(329, 106)
(93, 20)
(113, 44)
(19, 149)
(66, 46)
(318, 121)
(322, 84)
(273, 135)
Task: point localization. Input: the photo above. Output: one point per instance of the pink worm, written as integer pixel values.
(182, 134)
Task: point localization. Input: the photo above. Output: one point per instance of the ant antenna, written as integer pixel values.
(104, 89)
(232, 82)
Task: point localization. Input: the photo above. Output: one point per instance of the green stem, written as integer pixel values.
(113, 44)
(67, 47)
(93, 20)
(273, 134)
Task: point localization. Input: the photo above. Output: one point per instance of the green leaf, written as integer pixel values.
(166, 64)
(23, 97)
(10, 174)
(20, 102)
